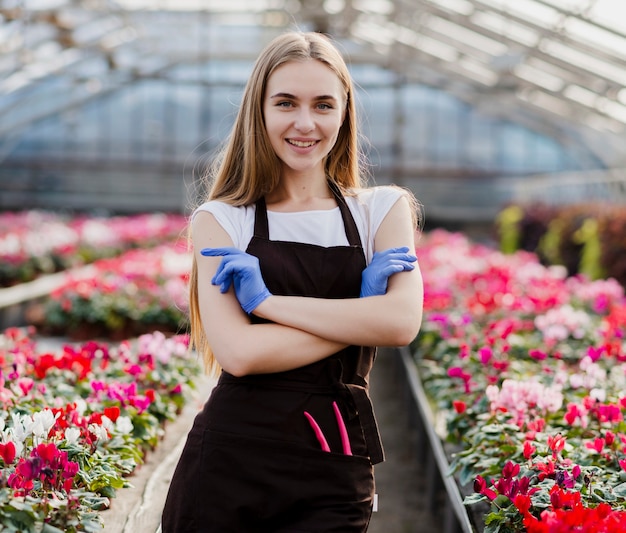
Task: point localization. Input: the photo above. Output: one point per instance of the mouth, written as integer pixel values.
(301, 144)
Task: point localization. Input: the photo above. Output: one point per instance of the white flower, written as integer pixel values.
(71, 435)
(598, 394)
(107, 423)
(43, 422)
(81, 406)
(576, 381)
(124, 425)
(99, 431)
(22, 426)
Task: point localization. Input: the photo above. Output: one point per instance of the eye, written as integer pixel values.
(284, 103)
(324, 106)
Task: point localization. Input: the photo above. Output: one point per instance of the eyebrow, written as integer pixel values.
(293, 97)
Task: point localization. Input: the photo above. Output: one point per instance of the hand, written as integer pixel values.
(242, 271)
(384, 265)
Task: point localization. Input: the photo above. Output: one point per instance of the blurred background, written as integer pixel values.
(116, 105)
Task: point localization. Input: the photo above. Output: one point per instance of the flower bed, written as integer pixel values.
(77, 421)
(526, 370)
(37, 242)
(121, 297)
(586, 238)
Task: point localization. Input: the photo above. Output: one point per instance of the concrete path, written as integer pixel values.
(401, 498)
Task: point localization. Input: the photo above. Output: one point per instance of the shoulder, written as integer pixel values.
(225, 212)
(219, 208)
(369, 207)
(237, 221)
(375, 199)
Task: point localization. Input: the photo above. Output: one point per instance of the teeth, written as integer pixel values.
(302, 144)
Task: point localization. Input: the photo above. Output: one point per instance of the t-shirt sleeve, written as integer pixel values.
(383, 199)
(370, 207)
(236, 221)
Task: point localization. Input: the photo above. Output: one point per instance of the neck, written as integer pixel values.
(301, 188)
(301, 195)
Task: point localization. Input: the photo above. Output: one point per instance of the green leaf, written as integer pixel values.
(473, 499)
(620, 490)
(467, 474)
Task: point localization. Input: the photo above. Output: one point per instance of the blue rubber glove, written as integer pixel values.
(242, 271)
(384, 265)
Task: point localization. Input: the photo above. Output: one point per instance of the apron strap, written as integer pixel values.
(261, 227)
(352, 232)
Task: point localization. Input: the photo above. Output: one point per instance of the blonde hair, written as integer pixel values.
(247, 167)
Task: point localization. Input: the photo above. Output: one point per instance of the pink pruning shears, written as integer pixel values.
(343, 432)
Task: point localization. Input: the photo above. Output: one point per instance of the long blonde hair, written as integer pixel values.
(247, 168)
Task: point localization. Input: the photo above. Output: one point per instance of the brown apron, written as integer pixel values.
(252, 462)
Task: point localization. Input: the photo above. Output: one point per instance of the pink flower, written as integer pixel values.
(597, 445)
(485, 353)
(595, 353)
(573, 412)
(457, 372)
(538, 355)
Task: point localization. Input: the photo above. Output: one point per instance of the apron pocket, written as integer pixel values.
(247, 483)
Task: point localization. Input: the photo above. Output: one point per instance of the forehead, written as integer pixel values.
(305, 78)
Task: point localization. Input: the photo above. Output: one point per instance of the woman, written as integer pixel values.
(298, 272)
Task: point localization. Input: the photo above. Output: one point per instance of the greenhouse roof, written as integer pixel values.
(556, 66)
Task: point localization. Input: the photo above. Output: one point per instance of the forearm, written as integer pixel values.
(242, 348)
(392, 319)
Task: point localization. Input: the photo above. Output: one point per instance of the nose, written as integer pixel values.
(304, 120)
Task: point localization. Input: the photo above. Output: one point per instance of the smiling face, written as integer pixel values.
(303, 108)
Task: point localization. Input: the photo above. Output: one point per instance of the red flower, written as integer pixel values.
(545, 469)
(510, 469)
(7, 451)
(480, 486)
(562, 499)
(459, 406)
(522, 502)
(112, 413)
(47, 452)
(556, 444)
(44, 363)
(529, 449)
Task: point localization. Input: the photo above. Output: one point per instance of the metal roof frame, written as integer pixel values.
(558, 84)
(540, 72)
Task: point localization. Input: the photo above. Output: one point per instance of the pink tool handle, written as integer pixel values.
(343, 432)
(318, 432)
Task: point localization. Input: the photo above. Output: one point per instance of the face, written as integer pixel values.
(303, 108)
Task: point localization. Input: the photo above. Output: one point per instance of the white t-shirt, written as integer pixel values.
(321, 227)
